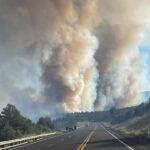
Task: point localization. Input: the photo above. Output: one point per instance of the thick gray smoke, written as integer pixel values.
(68, 55)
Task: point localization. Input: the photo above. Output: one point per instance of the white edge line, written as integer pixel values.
(117, 138)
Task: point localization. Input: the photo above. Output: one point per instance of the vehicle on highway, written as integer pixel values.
(71, 128)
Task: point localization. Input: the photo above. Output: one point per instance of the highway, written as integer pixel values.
(94, 137)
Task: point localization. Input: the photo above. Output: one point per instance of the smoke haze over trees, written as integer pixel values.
(112, 116)
(14, 125)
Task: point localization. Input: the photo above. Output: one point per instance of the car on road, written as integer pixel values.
(71, 128)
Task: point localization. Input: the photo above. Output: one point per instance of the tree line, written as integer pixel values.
(113, 115)
(14, 125)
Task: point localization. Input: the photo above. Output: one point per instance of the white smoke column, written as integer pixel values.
(70, 71)
(49, 46)
(122, 28)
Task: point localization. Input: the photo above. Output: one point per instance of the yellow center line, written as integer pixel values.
(87, 141)
(84, 143)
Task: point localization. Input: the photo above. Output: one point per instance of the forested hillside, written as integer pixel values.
(113, 115)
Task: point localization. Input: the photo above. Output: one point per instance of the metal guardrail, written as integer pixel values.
(13, 143)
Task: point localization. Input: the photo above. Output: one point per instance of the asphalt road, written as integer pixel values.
(94, 137)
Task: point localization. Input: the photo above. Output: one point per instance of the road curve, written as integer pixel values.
(94, 137)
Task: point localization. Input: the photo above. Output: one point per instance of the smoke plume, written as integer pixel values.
(121, 30)
(68, 55)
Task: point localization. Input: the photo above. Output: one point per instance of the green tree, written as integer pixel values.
(13, 116)
(19, 123)
(7, 132)
(45, 123)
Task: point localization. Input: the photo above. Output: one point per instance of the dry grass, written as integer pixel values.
(137, 127)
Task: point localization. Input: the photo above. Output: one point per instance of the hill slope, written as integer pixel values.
(138, 124)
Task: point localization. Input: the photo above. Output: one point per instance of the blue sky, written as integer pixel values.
(144, 49)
